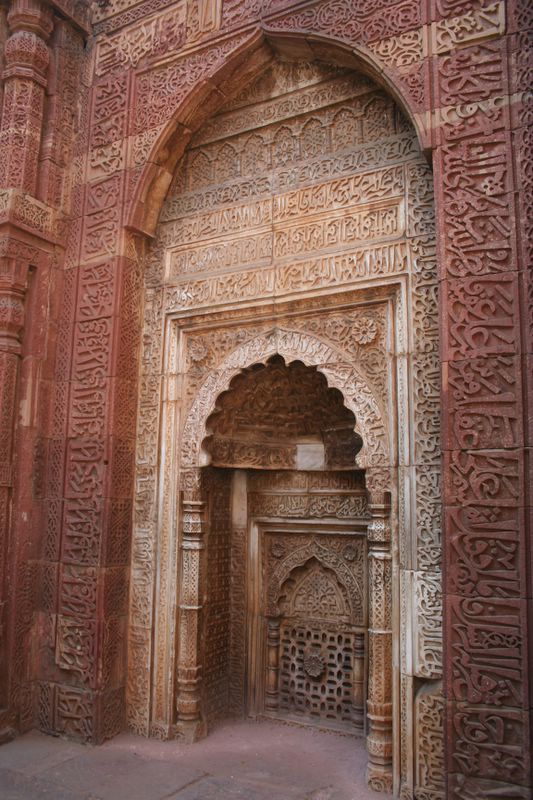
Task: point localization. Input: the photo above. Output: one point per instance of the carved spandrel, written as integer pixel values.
(341, 556)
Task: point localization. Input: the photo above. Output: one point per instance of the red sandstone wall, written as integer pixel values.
(84, 138)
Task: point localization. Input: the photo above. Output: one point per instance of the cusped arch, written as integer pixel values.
(221, 81)
(291, 345)
(327, 558)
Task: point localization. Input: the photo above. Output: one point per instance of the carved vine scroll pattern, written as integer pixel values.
(473, 129)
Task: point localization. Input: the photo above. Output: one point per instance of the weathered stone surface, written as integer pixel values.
(222, 249)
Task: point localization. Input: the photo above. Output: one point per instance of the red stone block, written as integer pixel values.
(520, 16)
(93, 349)
(88, 406)
(116, 539)
(476, 210)
(114, 586)
(46, 589)
(99, 289)
(482, 403)
(471, 74)
(52, 515)
(109, 103)
(123, 408)
(441, 9)
(74, 713)
(121, 468)
(58, 410)
(111, 713)
(413, 84)
(494, 478)
(483, 552)
(461, 787)
(480, 317)
(488, 742)
(82, 530)
(528, 551)
(78, 591)
(528, 394)
(45, 706)
(104, 194)
(43, 654)
(101, 232)
(113, 660)
(73, 242)
(488, 651)
(55, 467)
(77, 648)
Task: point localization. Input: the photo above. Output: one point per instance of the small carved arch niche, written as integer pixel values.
(313, 591)
(282, 416)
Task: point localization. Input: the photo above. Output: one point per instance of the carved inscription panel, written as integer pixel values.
(300, 182)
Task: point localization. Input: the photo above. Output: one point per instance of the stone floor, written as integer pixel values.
(238, 761)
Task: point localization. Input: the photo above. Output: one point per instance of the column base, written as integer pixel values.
(190, 731)
(379, 779)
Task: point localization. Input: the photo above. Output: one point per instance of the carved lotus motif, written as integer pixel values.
(365, 330)
(277, 550)
(197, 350)
(314, 664)
(350, 553)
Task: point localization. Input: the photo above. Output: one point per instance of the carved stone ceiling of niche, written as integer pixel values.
(283, 77)
(278, 401)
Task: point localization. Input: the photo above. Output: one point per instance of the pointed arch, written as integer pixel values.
(331, 561)
(222, 81)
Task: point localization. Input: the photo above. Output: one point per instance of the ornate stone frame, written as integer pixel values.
(181, 525)
(415, 479)
(258, 527)
(463, 74)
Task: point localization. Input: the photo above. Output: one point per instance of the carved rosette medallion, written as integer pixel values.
(314, 663)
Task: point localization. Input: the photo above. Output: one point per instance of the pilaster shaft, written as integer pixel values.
(26, 66)
(272, 670)
(379, 709)
(359, 682)
(13, 276)
(189, 676)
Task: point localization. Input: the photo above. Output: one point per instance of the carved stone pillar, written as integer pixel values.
(26, 65)
(188, 704)
(13, 277)
(379, 708)
(359, 682)
(272, 670)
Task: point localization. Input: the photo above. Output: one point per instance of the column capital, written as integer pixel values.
(13, 284)
(32, 16)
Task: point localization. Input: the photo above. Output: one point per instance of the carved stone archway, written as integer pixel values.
(294, 345)
(187, 107)
(299, 558)
(200, 332)
(375, 456)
